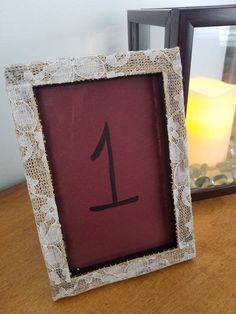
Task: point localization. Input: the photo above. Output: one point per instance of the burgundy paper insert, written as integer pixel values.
(73, 117)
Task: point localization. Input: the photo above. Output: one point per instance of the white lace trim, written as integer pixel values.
(20, 80)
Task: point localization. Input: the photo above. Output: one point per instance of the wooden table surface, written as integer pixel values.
(206, 284)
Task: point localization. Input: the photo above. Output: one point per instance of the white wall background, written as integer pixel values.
(33, 30)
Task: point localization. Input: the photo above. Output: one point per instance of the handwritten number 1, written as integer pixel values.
(106, 139)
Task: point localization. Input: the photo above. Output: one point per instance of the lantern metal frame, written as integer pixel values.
(179, 24)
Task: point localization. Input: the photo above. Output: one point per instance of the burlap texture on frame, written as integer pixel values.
(20, 80)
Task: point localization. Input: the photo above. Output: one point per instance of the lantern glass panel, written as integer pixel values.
(211, 121)
(151, 37)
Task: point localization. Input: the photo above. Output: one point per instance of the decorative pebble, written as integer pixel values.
(203, 182)
(203, 176)
(204, 168)
(224, 166)
(195, 171)
(230, 179)
(220, 179)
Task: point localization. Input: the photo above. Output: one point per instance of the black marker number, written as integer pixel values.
(105, 139)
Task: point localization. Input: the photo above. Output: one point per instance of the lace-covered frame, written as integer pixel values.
(20, 81)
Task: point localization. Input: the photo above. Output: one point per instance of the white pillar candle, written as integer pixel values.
(210, 115)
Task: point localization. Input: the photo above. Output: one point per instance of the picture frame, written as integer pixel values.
(28, 87)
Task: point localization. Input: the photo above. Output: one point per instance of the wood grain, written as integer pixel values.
(204, 285)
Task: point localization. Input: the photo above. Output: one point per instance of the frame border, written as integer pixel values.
(20, 81)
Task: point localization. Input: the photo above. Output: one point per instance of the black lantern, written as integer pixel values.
(207, 40)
